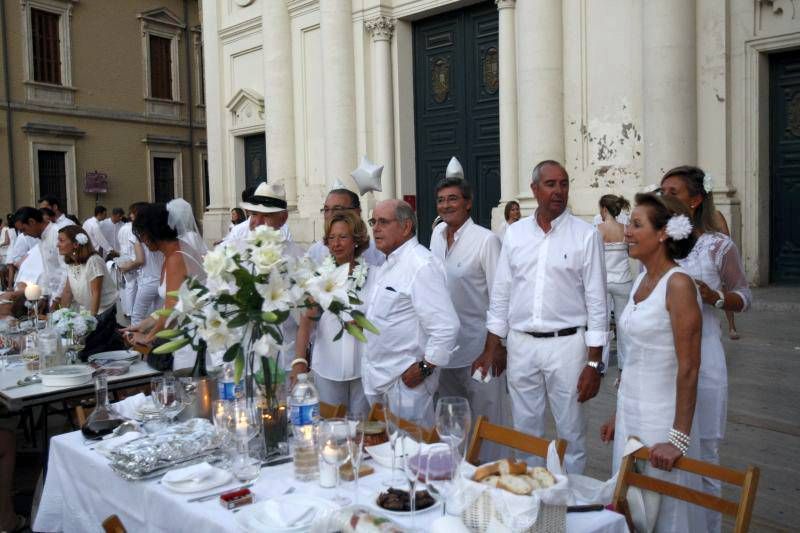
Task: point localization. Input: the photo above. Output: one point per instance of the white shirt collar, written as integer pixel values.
(554, 224)
(395, 256)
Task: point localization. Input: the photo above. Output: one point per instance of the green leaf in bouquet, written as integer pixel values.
(355, 301)
(232, 352)
(355, 331)
(238, 367)
(274, 369)
(168, 333)
(163, 312)
(171, 346)
(238, 321)
(276, 334)
(339, 335)
(363, 322)
(269, 317)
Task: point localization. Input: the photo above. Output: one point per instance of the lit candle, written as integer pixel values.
(330, 454)
(327, 467)
(241, 426)
(32, 292)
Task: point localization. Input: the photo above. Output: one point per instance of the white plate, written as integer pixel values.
(374, 503)
(382, 453)
(251, 518)
(66, 375)
(116, 355)
(219, 477)
(147, 408)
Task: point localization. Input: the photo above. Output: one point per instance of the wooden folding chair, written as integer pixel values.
(327, 410)
(428, 434)
(485, 430)
(113, 524)
(742, 509)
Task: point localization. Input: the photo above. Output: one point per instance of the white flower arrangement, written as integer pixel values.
(708, 184)
(81, 239)
(68, 322)
(679, 227)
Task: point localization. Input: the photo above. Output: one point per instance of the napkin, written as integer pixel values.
(130, 405)
(477, 376)
(106, 446)
(448, 524)
(273, 513)
(193, 473)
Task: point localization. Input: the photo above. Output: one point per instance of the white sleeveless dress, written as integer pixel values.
(646, 397)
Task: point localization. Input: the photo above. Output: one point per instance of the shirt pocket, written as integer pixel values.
(385, 303)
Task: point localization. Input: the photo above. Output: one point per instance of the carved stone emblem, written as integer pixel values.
(440, 79)
(793, 118)
(490, 70)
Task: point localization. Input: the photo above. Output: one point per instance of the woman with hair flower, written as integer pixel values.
(336, 364)
(88, 281)
(660, 330)
(716, 267)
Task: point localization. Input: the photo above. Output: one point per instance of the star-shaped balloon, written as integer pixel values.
(454, 169)
(367, 176)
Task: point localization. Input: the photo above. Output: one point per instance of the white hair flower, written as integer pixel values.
(679, 227)
(81, 239)
(708, 183)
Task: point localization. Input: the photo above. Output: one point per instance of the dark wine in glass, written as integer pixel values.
(97, 429)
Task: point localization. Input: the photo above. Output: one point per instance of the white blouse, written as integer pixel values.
(80, 276)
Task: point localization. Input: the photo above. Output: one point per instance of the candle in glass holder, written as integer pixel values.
(241, 426)
(33, 292)
(327, 467)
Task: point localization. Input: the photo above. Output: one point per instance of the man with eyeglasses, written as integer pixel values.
(407, 300)
(337, 201)
(469, 254)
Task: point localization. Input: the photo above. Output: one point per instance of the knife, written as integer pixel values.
(277, 461)
(584, 508)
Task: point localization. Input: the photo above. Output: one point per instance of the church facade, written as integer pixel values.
(618, 90)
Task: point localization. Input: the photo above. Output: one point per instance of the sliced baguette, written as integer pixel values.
(509, 467)
(482, 472)
(491, 480)
(514, 484)
(544, 479)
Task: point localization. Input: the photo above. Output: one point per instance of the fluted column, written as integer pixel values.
(540, 68)
(509, 156)
(382, 28)
(669, 92)
(278, 97)
(338, 80)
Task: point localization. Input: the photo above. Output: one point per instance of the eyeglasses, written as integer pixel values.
(335, 209)
(448, 199)
(380, 222)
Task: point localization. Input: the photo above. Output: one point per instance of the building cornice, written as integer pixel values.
(53, 130)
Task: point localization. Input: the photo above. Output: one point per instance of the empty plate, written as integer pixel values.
(217, 478)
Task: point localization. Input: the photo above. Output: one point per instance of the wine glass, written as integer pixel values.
(441, 465)
(334, 449)
(166, 395)
(392, 407)
(356, 424)
(409, 445)
(453, 421)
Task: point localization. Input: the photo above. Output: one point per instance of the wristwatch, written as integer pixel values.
(599, 366)
(426, 369)
(719, 304)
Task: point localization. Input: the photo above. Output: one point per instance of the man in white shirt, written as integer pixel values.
(33, 224)
(549, 300)
(469, 254)
(110, 227)
(407, 300)
(92, 228)
(30, 271)
(339, 200)
(254, 219)
(54, 204)
(20, 247)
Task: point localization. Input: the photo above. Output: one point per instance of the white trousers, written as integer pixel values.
(617, 299)
(489, 400)
(128, 296)
(146, 301)
(349, 393)
(417, 403)
(550, 367)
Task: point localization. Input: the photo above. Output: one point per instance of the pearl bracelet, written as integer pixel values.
(298, 360)
(680, 440)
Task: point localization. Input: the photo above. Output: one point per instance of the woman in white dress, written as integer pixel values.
(512, 214)
(130, 262)
(336, 364)
(619, 280)
(715, 265)
(660, 328)
(88, 281)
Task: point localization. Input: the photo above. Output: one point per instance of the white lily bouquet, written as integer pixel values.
(249, 292)
(73, 323)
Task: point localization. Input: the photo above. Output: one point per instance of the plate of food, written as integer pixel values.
(514, 476)
(396, 501)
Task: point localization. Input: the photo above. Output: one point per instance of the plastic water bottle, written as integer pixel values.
(226, 386)
(304, 407)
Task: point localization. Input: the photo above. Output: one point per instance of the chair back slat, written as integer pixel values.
(429, 435)
(748, 498)
(485, 430)
(680, 492)
(327, 410)
(727, 475)
(113, 524)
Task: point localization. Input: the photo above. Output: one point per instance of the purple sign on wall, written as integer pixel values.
(96, 182)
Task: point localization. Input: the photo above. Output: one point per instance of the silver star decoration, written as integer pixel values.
(367, 176)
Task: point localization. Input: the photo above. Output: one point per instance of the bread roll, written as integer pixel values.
(485, 471)
(543, 477)
(508, 467)
(514, 484)
(491, 480)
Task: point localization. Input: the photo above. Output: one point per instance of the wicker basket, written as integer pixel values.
(550, 519)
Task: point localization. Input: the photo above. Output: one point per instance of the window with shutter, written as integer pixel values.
(46, 47)
(160, 67)
(52, 174)
(164, 179)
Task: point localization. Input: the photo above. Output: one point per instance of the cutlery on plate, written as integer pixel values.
(214, 495)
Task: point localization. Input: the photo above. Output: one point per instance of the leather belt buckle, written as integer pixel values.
(566, 332)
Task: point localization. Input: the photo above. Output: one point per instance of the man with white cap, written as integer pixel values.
(254, 217)
(338, 201)
(469, 254)
(549, 300)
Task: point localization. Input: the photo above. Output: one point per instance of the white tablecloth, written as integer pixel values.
(81, 491)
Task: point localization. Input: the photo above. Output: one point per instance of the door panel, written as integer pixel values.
(255, 160)
(456, 107)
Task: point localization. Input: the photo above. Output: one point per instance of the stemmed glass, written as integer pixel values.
(392, 409)
(409, 444)
(335, 448)
(453, 421)
(168, 396)
(441, 465)
(243, 421)
(356, 424)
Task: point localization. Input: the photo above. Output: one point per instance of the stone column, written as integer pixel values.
(541, 80)
(669, 91)
(278, 97)
(382, 28)
(509, 155)
(338, 81)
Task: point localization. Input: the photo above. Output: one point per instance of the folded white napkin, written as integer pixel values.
(193, 473)
(273, 513)
(105, 447)
(130, 405)
(448, 524)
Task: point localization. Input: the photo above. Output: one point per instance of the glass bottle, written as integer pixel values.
(104, 419)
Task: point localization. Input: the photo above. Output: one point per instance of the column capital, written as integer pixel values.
(381, 28)
(505, 4)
